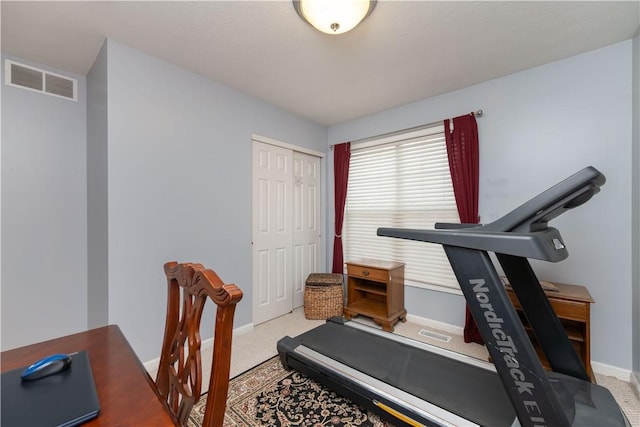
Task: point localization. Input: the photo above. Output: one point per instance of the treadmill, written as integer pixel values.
(412, 383)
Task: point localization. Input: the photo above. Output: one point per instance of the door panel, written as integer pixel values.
(306, 230)
(272, 231)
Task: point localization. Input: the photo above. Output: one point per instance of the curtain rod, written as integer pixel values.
(477, 113)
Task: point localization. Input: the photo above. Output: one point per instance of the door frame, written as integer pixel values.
(271, 141)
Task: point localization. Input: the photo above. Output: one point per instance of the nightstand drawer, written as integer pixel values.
(570, 309)
(368, 273)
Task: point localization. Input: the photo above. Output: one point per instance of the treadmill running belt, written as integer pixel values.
(473, 393)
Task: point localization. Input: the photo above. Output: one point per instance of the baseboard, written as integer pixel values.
(635, 383)
(242, 330)
(152, 365)
(441, 326)
(611, 371)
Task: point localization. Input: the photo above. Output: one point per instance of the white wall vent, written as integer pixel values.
(37, 80)
(434, 335)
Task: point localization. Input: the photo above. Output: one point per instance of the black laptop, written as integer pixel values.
(65, 399)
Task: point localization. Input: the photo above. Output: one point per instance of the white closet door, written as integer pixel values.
(287, 243)
(306, 221)
(272, 231)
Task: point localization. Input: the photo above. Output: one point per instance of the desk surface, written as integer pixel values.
(125, 389)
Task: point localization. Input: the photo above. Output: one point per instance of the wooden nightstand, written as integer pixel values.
(572, 305)
(376, 289)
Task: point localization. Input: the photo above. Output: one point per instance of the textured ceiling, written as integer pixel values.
(404, 51)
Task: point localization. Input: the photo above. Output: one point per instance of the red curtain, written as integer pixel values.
(462, 149)
(341, 157)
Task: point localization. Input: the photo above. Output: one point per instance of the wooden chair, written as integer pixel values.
(180, 371)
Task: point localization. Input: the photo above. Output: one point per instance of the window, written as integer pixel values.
(401, 181)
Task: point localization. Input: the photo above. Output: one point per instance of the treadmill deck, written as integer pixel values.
(410, 374)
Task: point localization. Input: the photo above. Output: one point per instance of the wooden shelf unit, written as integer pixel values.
(572, 305)
(375, 289)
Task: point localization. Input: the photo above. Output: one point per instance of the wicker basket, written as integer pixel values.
(323, 296)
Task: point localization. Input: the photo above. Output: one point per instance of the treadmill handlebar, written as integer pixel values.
(537, 212)
(546, 244)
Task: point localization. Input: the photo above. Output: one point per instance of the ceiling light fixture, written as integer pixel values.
(334, 16)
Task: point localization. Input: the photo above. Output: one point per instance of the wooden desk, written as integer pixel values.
(125, 389)
(376, 289)
(572, 304)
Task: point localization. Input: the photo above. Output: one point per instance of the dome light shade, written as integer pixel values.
(334, 16)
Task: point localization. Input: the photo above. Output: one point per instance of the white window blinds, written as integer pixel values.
(401, 181)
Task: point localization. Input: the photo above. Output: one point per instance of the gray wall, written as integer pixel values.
(179, 184)
(540, 126)
(636, 208)
(97, 197)
(44, 214)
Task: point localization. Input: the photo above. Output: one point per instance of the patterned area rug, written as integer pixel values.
(269, 395)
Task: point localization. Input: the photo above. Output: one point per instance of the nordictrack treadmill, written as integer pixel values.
(413, 383)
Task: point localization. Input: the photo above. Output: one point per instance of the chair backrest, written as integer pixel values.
(179, 378)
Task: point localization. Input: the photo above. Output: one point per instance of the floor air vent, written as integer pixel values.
(37, 80)
(434, 335)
